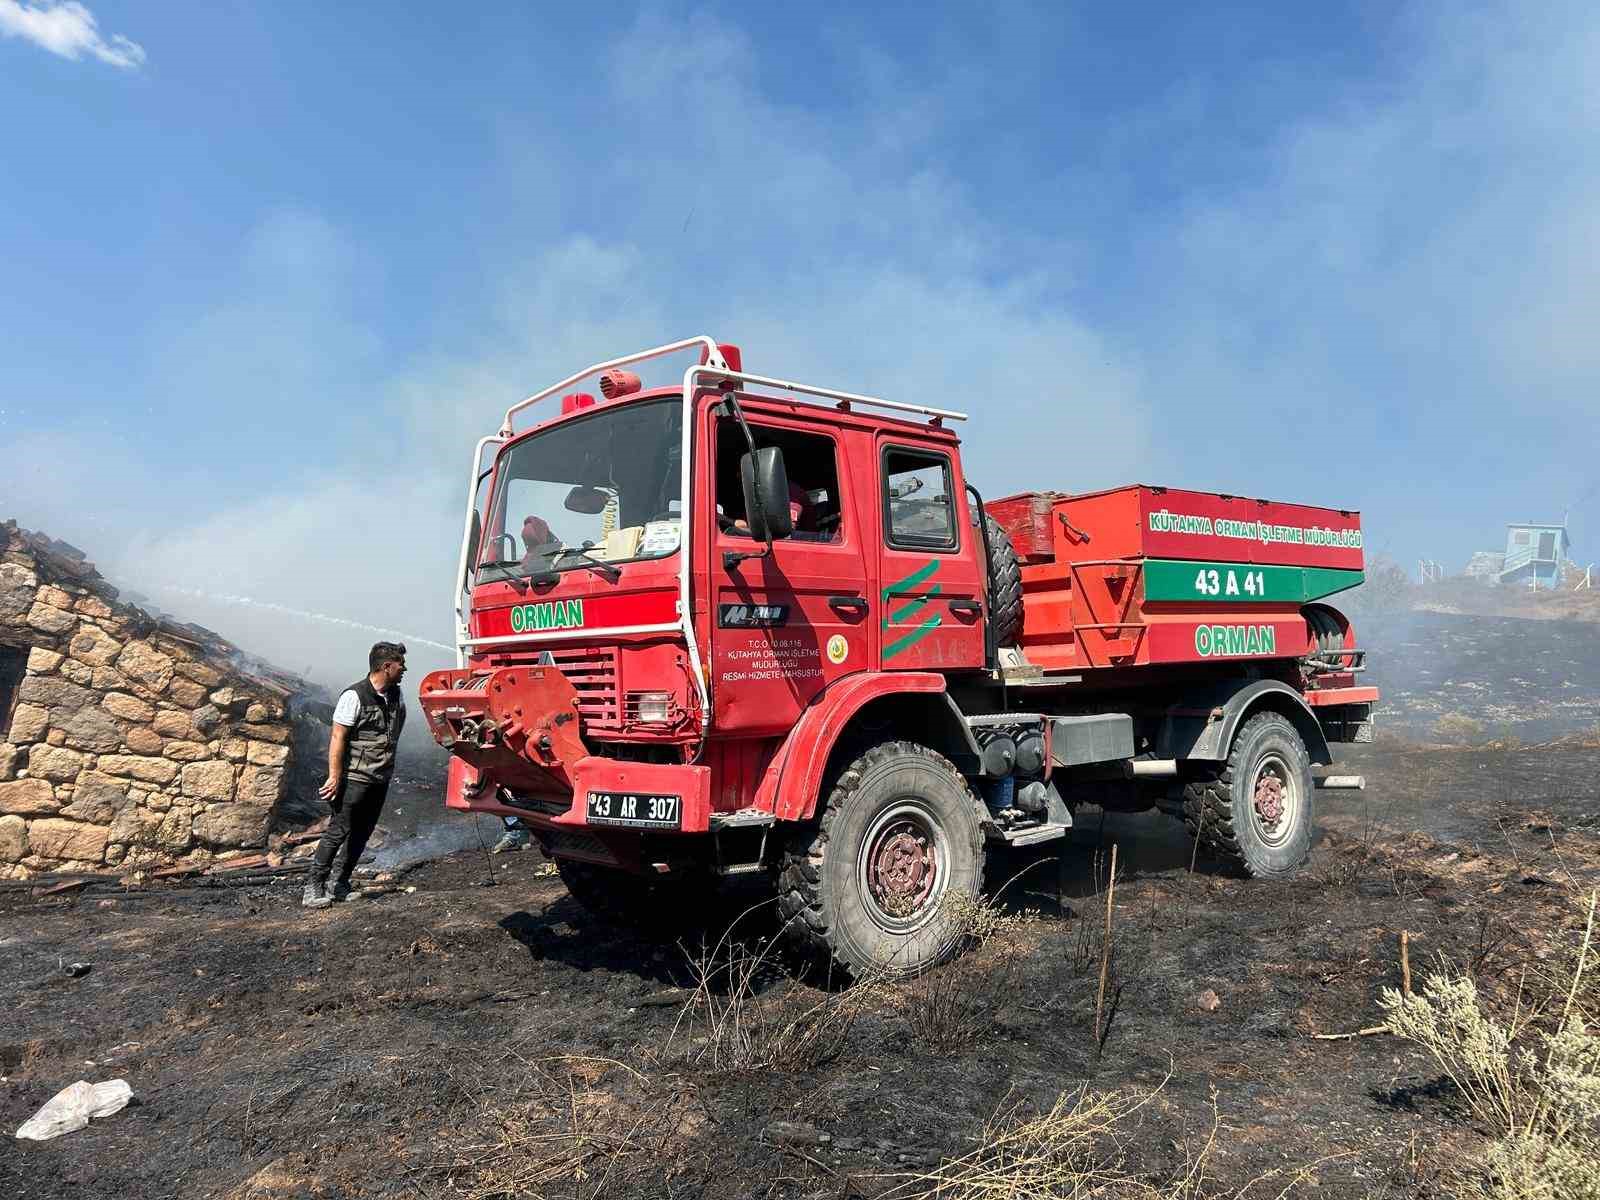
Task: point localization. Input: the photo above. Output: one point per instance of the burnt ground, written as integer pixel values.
(1517, 677)
(472, 1040)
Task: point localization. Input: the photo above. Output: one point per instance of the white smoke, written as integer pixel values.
(442, 831)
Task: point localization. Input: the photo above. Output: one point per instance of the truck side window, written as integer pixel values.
(919, 512)
(812, 462)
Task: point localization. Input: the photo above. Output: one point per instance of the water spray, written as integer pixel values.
(269, 605)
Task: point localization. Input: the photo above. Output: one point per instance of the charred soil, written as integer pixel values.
(474, 1040)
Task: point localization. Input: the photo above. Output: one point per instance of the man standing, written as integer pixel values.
(366, 729)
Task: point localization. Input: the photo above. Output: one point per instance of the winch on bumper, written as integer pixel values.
(517, 750)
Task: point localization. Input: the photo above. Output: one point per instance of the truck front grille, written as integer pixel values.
(592, 671)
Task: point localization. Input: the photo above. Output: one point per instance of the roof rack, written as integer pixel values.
(843, 400)
(716, 365)
(705, 341)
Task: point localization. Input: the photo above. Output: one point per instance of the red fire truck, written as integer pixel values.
(745, 625)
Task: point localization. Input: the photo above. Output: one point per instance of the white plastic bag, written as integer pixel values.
(72, 1107)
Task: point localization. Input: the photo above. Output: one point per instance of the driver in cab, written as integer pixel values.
(806, 513)
(537, 540)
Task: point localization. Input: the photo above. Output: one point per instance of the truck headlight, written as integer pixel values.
(651, 708)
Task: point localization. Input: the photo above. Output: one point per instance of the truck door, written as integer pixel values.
(930, 589)
(786, 625)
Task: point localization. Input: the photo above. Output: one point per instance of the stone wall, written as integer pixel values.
(133, 741)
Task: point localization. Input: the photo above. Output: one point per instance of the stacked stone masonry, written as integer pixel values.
(131, 741)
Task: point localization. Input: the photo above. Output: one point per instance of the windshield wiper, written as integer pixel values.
(597, 565)
(508, 568)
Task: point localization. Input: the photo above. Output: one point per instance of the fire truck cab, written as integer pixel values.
(742, 625)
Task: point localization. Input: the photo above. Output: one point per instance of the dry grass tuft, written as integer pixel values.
(1070, 1150)
(1076, 1150)
(955, 1005)
(592, 1127)
(1532, 1078)
(735, 1025)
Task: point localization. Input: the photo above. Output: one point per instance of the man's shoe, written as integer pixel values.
(315, 896)
(340, 891)
(511, 839)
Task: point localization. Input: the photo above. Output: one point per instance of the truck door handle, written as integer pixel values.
(848, 604)
(966, 606)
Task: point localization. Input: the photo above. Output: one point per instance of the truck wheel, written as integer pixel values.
(1257, 812)
(1005, 585)
(868, 885)
(647, 907)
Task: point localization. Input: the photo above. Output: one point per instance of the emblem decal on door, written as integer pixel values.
(838, 649)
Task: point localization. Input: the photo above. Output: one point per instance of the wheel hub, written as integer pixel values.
(902, 864)
(1269, 799)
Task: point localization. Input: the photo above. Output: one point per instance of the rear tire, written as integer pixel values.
(1258, 811)
(1005, 585)
(868, 887)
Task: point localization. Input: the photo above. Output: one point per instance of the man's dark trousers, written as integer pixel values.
(356, 810)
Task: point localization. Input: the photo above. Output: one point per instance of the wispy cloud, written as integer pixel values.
(68, 29)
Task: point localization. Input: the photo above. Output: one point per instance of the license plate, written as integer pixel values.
(635, 809)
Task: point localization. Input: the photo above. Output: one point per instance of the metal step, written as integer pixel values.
(1032, 834)
(743, 818)
(743, 868)
(1343, 783)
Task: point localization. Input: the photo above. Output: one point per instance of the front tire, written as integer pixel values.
(1258, 812)
(869, 887)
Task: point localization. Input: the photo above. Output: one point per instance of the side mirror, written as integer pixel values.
(474, 544)
(766, 493)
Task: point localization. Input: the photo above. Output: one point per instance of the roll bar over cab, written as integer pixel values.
(748, 625)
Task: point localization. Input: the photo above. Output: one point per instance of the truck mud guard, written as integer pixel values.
(791, 789)
(1202, 725)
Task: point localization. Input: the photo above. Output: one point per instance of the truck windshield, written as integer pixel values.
(608, 485)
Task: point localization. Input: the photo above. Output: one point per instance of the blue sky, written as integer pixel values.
(267, 271)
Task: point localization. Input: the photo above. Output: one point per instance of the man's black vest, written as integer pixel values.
(375, 734)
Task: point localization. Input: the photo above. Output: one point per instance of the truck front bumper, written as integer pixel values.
(608, 778)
